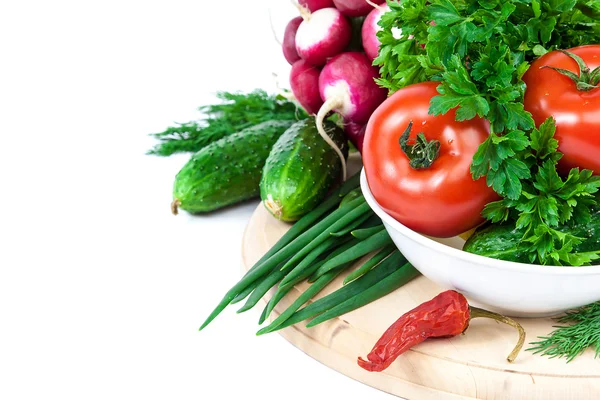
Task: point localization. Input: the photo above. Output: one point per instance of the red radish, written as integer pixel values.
(355, 133)
(322, 35)
(314, 5)
(369, 31)
(355, 8)
(347, 85)
(304, 81)
(289, 40)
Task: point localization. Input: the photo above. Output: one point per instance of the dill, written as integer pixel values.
(569, 341)
(235, 112)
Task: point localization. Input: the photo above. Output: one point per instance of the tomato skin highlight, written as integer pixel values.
(577, 113)
(442, 200)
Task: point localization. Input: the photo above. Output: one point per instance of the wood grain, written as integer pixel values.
(470, 366)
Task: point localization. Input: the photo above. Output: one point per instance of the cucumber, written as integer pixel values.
(226, 171)
(502, 241)
(301, 169)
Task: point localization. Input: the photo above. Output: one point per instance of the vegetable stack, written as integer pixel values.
(329, 70)
(480, 52)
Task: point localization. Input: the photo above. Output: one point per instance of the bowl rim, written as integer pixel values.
(463, 255)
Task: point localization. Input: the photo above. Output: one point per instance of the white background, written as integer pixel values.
(101, 289)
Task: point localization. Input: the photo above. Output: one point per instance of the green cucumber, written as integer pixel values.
(503, 241)
(226, 171)
(301, 169)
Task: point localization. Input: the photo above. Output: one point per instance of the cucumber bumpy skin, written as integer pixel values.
(226, 171)
(301, 169)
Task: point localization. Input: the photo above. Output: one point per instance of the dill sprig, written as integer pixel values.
(236, 111)
(569, 341)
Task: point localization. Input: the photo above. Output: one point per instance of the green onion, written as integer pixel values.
(387, 267)
(365, 247)
(370, 264)
(390, 283)
(366, 233)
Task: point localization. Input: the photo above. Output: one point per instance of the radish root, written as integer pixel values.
(175, 206)
(377, 6)
(273, 28)
(331, 104)
(304, 11)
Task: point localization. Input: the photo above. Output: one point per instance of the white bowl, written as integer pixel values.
(514, 289)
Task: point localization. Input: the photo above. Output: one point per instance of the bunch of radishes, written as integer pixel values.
(326, 74)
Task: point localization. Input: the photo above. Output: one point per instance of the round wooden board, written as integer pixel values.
(470, 366)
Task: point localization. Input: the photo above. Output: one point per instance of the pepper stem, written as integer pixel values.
(480, 313)
(422, 153)
(586, 80)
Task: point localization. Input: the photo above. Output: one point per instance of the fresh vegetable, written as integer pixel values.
(314, 5)
(480, 53)
(569, 341)
(355, 8)
(548, 201)
(304, 81)
(347, 86)
(370, 264)
(358, 209)
(319, 243)
(387, 285)
(372, 243)
(503, 241)
(564, 85)
(322, 34)
(237, 111)
(350, 292)
(448, 314)
(226, 171)
(300, 170)
(289, 41)
(355, 133)
(355, 44)
(370, 28)
(264, 266)
(426, 185)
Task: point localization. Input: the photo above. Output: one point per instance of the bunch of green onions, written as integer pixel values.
(318, 248)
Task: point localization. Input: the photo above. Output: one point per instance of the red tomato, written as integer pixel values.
(577, 113)
(442, 200)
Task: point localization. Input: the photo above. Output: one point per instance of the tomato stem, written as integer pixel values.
(422, 153)
(586, 80)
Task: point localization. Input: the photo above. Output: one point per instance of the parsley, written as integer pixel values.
(479, 51)
(236, 111)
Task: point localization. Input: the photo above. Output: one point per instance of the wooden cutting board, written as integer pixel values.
(470, 366)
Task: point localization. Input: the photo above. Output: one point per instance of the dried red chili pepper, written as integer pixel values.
(446, 315)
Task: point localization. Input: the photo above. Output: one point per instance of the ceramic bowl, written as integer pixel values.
(514, 289)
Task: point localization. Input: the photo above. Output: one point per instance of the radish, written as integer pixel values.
(369, 31)
(314, 5)
(322, 35)
(289, 40)
(355, 133)
(347, 86)
(355, 8)
(304, 81)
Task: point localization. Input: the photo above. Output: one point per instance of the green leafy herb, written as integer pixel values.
(546, 201)
(569, 341)
(236, 111)
(479, 51)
